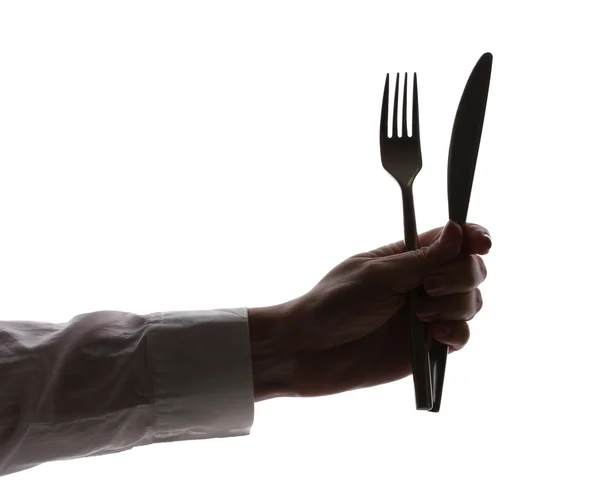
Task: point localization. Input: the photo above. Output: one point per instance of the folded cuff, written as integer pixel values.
(202, 370)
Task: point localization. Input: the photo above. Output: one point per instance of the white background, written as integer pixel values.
(194, 155)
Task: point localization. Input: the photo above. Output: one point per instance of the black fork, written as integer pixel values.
(401, 158)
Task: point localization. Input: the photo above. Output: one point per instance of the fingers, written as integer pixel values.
(405, 271)
(457, 307)
(385, 360)
(455, 334)
(461, 276)
(476, 239)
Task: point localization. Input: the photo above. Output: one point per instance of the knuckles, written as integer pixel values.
(476, 271)
(476, 304)
(481, 266)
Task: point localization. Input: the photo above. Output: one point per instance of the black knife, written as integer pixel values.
(462, 159)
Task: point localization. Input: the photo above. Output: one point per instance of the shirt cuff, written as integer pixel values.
(202, 370)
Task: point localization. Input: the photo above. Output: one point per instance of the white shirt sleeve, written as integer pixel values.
(108, 381)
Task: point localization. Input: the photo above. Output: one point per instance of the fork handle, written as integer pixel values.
(418, 329)
(411, 238)
(420, 357)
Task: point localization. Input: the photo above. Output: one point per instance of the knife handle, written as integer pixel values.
(420, 357)
(438, 355)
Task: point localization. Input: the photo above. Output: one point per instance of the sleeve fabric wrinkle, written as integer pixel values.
(108, 381)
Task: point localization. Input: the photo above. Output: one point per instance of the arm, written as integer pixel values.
(108, 381)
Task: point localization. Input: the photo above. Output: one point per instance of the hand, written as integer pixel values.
(352, 330)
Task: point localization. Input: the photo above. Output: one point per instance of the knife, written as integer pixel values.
(462, 159)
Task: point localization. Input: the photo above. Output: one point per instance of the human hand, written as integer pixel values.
(351, 330)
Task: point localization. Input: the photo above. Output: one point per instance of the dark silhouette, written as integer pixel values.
(108, 381)
(401, 157)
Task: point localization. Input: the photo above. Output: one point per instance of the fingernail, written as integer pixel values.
(444, 235)
(488, 239)
(445, 243)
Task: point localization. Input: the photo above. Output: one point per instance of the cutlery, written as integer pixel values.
(462, 159)
(401, 158)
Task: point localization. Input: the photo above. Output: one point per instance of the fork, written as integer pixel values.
(401, 158)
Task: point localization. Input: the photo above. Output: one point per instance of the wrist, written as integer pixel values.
(269, 329)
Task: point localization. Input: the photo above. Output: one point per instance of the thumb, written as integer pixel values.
(405, 271)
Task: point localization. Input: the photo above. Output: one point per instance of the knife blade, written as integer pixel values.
(462, 159)
(465, 139)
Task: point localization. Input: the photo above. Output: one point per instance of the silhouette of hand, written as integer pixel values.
(352, 331)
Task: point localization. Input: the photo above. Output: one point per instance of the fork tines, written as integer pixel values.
(415, 108)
